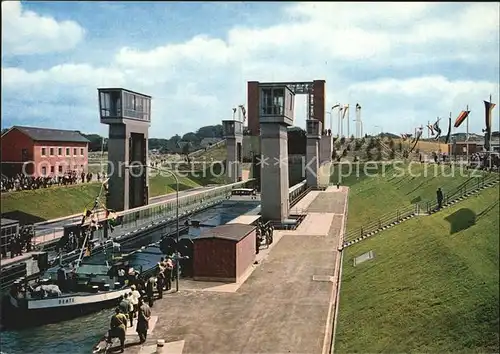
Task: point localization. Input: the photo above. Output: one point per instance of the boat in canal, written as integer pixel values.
(72, 289)
(67, 291)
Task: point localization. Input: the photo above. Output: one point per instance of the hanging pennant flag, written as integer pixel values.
(417, 138)
(488, 106)
(243, 112)
(436, 128)
(345, 108)
(431, 129)
(448, 135)
(461, 118)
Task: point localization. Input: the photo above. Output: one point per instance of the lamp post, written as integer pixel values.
(176, 217)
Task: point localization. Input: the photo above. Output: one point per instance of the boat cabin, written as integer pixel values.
(244, 191)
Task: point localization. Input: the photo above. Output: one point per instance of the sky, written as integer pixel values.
(404, 63)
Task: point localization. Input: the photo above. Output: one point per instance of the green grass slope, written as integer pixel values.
(374, 192)
(433, 286)
(216, 154)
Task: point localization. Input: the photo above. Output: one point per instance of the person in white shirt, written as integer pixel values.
(134, 299)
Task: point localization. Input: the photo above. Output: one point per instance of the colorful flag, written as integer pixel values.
(436, 128)
(431, 129)
(345, 108)
(243, 112)
(488, 109)
(418, 134)
(461, 118)
(488, 106)
(449, 131)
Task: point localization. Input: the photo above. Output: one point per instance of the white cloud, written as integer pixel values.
(198, 81)
(25, 32)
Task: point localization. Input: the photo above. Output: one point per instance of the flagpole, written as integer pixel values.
(348, 135)
(489, 137)
(467, 134)
(341, 134)
(450, 151)
(338, 131)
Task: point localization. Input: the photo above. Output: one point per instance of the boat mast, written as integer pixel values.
(89, 232)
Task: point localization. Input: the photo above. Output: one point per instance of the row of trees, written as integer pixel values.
(175, 143)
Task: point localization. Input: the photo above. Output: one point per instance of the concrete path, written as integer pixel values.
(278, 309)
(324, 174)
(304, 203)
(315, 224)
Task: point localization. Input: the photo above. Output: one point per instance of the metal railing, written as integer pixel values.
(382, 221)
(295, 191)
(208, 148)
(471, 185)
(156, 211)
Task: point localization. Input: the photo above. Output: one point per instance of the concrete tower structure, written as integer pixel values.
(325, 148)
(233, 133)
(315, 91)
(276, 108)
(128, 115)
(313, 130)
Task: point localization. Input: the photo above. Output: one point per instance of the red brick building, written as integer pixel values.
(43, 152)
(224, 253)
(460, 147)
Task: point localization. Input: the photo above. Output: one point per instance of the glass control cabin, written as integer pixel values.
(276, 104)
(116, 104)
(232, 128)
(313, 128)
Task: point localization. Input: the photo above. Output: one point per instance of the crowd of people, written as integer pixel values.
(18, 243)
(476, 160)
(483, 160)
(132, 305)
(21, 182)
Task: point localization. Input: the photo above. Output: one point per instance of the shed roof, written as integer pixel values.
(6, 222)
(46, 134)
(231, 232)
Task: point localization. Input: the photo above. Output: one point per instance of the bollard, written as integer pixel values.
(160, 344)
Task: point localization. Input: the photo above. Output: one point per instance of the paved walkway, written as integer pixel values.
(304, 203)
(278, 309)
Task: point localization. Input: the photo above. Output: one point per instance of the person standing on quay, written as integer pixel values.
(143, 321)
(134, 298)
(118, 327)
(169, 266)
(160, 283)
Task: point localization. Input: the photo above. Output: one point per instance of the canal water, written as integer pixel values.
(79, 335)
